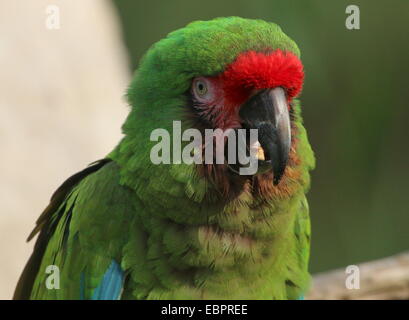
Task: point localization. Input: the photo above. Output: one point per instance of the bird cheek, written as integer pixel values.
(229, 118)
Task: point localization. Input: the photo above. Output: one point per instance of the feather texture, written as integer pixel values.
(111, 284)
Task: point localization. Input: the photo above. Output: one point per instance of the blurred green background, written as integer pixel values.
(355, 110)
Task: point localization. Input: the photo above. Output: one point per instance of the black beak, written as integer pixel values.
(267, 111)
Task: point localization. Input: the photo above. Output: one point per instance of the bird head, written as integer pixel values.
(229, 74)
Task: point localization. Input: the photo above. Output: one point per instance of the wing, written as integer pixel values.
(78, 251)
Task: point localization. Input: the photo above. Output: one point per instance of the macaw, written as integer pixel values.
(128, 228)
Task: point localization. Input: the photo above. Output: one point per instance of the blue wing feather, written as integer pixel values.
(111, 284)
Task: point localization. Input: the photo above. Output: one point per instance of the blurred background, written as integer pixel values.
(61, 107)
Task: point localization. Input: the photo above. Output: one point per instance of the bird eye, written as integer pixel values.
(200, 88)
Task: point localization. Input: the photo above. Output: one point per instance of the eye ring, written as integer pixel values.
(200, 87)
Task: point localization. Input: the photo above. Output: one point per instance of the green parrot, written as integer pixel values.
(128, 228)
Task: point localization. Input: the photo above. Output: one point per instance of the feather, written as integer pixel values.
(111, 285)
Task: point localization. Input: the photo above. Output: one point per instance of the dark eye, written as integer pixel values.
(200, 88)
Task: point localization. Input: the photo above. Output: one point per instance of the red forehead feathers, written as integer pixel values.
(254, 70)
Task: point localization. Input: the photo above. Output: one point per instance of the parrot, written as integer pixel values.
(125, 228)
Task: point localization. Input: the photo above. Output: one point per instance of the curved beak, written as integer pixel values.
(267, 111)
